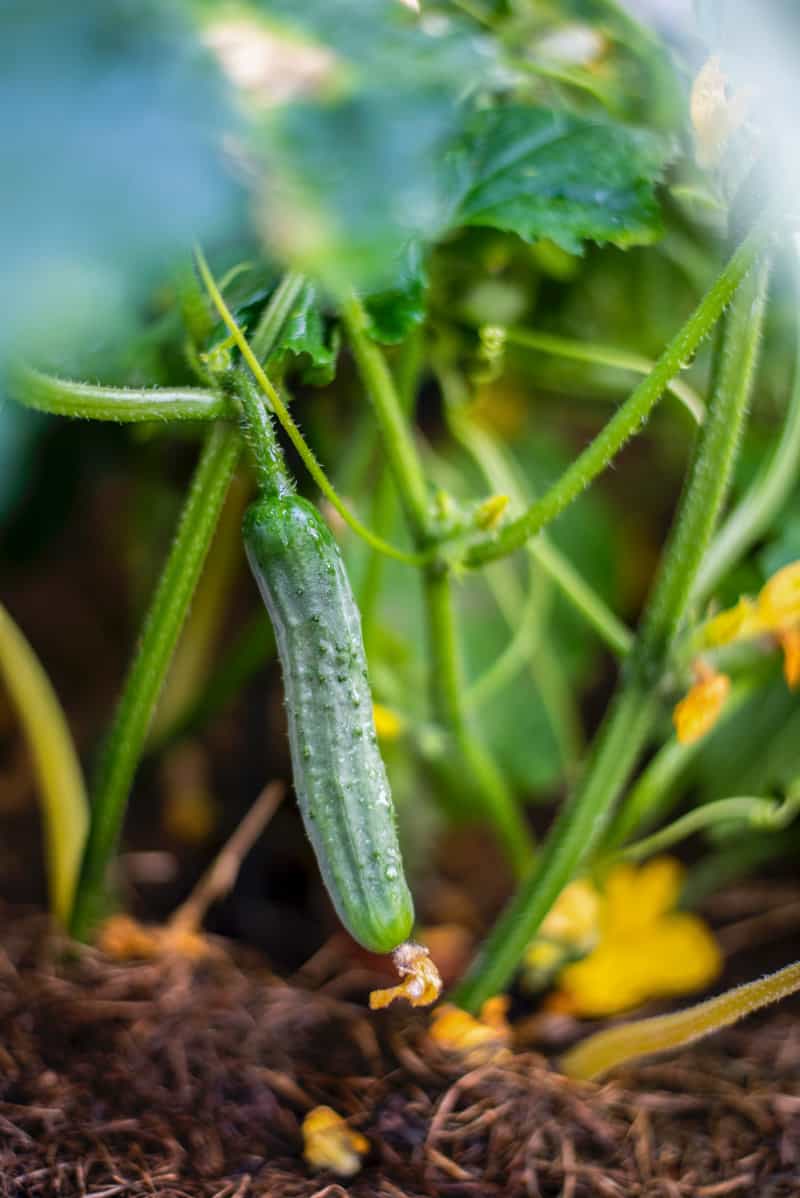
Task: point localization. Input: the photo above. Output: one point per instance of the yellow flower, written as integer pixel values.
(715, 115)
(775, 612)
(570, 929)
(388, 724)
(646, 949)
(699, 710)
(328, 1143)
(480, 1040)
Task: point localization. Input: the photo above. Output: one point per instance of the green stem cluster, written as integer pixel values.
(629, 721)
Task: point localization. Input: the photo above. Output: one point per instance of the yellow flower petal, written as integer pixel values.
(699, 710)
(328, 1143)
(646, 950)
(779, 599)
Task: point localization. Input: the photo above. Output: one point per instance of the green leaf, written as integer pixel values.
(540, 173)
(396, 311)
(306, 345)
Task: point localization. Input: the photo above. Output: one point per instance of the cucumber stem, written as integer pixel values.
(271, 474)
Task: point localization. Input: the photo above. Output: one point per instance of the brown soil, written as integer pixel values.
(181, 1081)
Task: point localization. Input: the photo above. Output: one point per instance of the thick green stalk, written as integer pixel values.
(162, 626)
(65, 397)
(625, 729)
(763, 501)
(711, 471)
(394, 428)
(448, 692)
(629, 418)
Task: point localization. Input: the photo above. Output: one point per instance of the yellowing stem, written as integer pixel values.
(607, 1049)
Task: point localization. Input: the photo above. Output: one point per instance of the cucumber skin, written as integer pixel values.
(339, 775)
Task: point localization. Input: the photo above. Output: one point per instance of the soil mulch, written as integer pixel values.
(191, 1081)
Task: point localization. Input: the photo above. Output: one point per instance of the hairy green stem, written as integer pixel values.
(765, 498)
(394, 428)
(140, 693)
(289, 425)
(629, 721)
(85, 401)
(629, 418)
(270, 468)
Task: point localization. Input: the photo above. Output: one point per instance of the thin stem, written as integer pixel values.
(625, 729)
(629, 418)
(448, 703)
(162, 626)
(654, 792)
(501, 476)
(514, 657)
(604, 355)
(276, 313)
(293, 432)
(766, 814)
(765, 498)
(65, 397)
(394, 428)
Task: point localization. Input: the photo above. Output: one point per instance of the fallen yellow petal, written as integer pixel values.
(328, 1143)
(699, 710)
(481, 1039)
(421, 984)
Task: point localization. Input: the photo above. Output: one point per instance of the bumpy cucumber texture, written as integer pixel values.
(339, 775)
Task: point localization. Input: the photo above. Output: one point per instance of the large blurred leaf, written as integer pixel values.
(353, 172)
(305, 344)
(540, 173)
(111, 116)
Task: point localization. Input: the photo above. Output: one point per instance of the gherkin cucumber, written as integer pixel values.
(339, 776)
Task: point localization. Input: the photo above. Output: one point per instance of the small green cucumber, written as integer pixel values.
(339, 775)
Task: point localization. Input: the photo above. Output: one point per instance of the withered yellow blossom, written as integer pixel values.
(421, 984)
(479, 1040)
(699, 710)
(328, 1142)
(715, 114)
(125, 939)
(645, 950)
